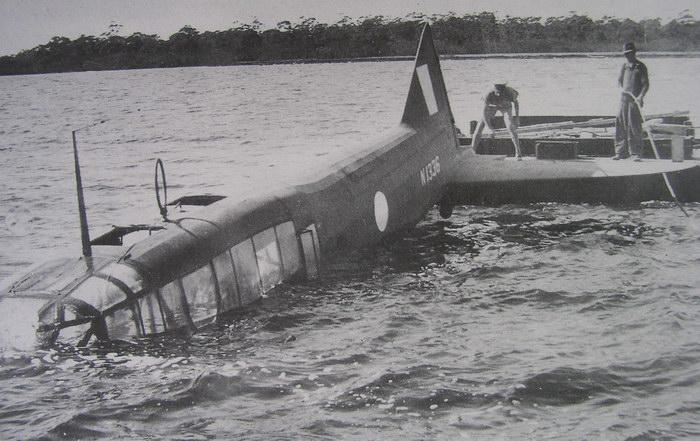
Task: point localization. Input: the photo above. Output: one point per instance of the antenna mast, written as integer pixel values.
(84, 231)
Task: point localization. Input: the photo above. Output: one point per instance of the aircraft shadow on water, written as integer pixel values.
(228, 253)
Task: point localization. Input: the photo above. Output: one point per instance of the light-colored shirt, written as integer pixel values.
(634, 77)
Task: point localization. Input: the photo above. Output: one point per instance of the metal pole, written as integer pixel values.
(656, 154)
(84, 231)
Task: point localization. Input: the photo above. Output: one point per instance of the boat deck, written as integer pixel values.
(593, 135)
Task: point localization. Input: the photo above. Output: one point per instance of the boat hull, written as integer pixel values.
(498, 180)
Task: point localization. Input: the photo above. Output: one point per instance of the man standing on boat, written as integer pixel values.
(634, 81)
(502, 99)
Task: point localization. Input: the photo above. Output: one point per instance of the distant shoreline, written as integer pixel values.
(526, 55)
(366, 39)
(523, 56)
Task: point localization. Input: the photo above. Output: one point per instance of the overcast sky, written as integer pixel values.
(27, 23)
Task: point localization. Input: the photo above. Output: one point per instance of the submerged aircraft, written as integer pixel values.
(227, 254)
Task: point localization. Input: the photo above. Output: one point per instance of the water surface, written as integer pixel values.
(543, 321)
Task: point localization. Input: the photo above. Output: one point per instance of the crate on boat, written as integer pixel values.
(556, 149)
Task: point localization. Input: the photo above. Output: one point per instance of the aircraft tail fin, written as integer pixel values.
(427, 96)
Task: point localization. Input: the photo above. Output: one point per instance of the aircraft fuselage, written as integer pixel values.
(227, 254)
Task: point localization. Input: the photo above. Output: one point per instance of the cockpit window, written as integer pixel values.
(73, 334)
(125, 274)
(77, 295)
(200, 292)
(57, 275)
(122, 324)
(99, 293)
(173, 306)
(151, 315)
(104, 289)
(268, 255)
(50, 276)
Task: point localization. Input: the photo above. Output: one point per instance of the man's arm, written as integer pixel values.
(621, 76)
(645, 85)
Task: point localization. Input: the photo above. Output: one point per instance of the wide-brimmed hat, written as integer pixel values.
(629, 47)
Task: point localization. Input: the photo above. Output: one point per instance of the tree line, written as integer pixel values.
(377, 36)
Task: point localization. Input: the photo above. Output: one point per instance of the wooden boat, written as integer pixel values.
(568, 159)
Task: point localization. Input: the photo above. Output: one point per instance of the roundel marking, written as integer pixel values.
(381, 210)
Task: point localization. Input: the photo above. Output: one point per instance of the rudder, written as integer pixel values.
(427, 95)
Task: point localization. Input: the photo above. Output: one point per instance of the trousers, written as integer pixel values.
(628, 129)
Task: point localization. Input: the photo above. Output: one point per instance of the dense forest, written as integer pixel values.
(378, 36)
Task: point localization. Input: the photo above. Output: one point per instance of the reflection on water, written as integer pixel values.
(519, 322)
